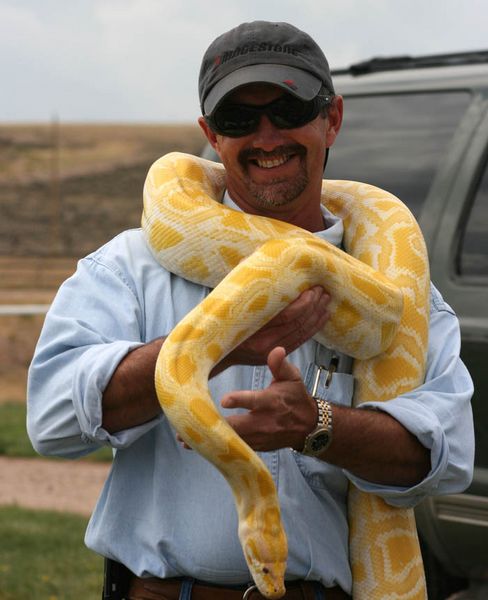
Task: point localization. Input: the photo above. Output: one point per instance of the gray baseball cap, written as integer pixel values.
(262, 52)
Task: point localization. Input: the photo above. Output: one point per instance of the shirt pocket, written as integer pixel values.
(338, 388)
(320, 475)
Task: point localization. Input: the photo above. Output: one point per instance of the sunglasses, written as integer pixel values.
(286, 112)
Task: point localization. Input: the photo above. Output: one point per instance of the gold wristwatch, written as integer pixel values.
(318, 440)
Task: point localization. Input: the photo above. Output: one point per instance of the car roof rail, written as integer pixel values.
(394, 63)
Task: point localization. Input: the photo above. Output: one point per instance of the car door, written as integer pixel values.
(429, 149)
(457, 526)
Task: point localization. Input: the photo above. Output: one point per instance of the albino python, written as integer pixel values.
(379, 305)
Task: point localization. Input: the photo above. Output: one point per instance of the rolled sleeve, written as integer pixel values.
(92, 375)
(438, 413)
(76, 357)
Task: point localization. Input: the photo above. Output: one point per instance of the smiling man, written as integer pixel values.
(262, 104)
(276, 165)
(166, 518)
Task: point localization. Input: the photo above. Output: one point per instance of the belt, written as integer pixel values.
(169, 589)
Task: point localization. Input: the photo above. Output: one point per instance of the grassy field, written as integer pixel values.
(13, 435)
(18, 337)
(42, 556)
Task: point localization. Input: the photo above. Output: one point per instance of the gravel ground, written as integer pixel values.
(51, 484)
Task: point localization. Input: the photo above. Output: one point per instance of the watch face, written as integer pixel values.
(319, 441)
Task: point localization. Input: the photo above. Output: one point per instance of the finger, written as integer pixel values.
(182, 442)
(240, 399)
(303, 330)
(297, 323)
(285, 321)
(313, 299)
(281, 369)
(315, 296)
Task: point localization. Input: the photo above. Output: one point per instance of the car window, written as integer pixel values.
(473, 255)
(396, 141)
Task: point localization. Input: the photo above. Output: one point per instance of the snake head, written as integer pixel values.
(268, 575)
(263, 537)
(269, 578)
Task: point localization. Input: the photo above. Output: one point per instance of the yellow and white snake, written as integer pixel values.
(379, 304)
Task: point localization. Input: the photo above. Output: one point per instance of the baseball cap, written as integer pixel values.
(262, 52)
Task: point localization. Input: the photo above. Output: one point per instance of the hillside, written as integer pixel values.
(64, 191)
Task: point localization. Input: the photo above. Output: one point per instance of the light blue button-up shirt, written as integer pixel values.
(164, 511)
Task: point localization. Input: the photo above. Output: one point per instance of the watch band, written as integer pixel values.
(318, 440)
(325, 414)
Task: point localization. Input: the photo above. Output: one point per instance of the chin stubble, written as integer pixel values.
(277, 192)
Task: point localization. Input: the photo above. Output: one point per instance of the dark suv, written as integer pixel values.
(418, 127)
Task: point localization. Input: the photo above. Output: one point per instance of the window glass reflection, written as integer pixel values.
(474, 247)
(396, 142)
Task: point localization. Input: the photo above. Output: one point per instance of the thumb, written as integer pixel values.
(281, 369)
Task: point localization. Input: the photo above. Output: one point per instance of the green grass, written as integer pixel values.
(43, 557)
(13, 435)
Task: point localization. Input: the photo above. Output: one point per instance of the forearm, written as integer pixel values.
(376, 447)
(130, 397)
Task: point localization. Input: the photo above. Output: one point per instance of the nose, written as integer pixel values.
(267, 136)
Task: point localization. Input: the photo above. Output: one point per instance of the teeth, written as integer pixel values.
(269, 164)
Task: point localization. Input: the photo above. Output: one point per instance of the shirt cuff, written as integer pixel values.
(424, 425)
(93, 373)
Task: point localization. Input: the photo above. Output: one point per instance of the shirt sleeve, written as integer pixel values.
(76, 357)
(438, 413)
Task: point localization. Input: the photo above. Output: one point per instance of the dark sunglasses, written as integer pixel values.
(286, 112)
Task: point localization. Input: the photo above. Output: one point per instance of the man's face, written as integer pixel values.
(271, 167)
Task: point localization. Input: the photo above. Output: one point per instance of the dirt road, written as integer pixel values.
(51, 484)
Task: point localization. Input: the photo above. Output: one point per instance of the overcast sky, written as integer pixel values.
(138, 60)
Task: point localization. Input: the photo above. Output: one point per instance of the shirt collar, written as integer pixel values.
(334, 228)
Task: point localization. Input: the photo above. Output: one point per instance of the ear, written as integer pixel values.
(209, 134)
(334, 120)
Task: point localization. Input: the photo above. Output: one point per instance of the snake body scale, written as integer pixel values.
(379, 304)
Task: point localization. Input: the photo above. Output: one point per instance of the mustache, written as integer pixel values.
(248, 154)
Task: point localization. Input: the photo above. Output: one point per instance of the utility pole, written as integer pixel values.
(55, 177)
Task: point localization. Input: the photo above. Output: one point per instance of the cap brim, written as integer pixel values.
(295, 81)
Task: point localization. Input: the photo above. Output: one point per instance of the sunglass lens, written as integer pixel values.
(236, 120)
(289, 112)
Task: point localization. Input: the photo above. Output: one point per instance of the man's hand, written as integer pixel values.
(130, 397)
(280, 416)
(370, 443)
(290, 328)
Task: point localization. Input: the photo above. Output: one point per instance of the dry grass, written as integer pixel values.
(33, 153)
(65, 189)
(18, 337)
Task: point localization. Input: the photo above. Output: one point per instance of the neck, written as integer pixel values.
(307, 215)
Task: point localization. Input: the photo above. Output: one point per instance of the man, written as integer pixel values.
(270, 111)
